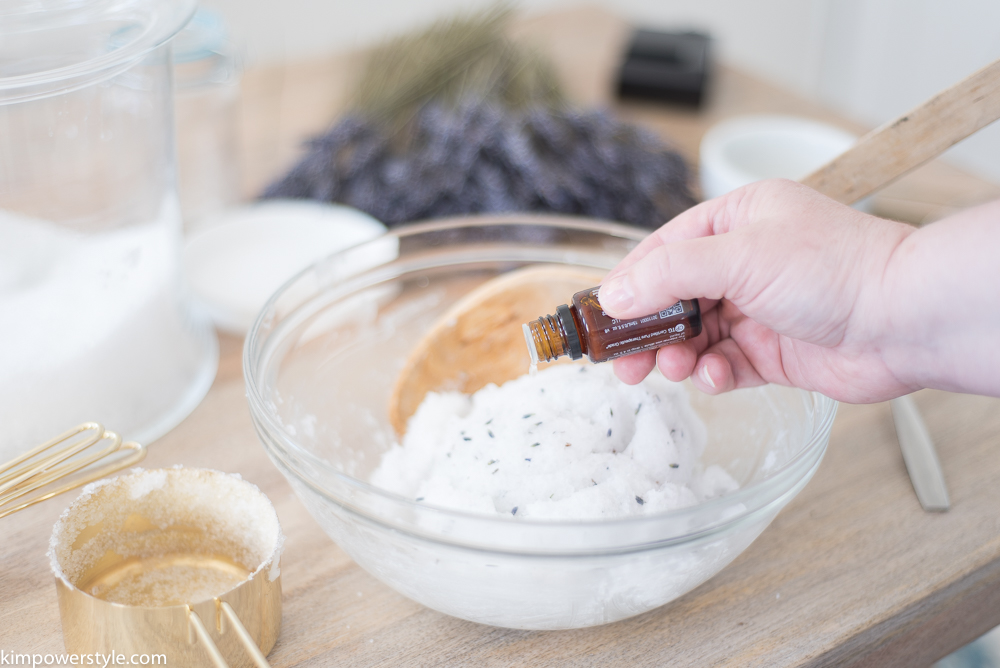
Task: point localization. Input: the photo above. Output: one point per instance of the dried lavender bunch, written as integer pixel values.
(464, 57)
(480, 157)
(459, 119)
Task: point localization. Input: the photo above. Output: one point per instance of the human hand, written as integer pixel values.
(795, 289)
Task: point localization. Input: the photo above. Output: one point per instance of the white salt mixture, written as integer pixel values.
(93, 328)
(570, 442)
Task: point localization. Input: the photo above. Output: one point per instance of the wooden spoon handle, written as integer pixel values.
(888, 152)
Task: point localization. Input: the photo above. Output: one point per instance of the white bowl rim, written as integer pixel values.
(713, 150)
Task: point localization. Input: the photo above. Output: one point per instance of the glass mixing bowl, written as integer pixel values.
(320, 363)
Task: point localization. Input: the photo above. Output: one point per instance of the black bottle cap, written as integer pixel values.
(695, 318)
(572, 335)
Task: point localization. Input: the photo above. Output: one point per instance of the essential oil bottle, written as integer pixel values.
(583, 328)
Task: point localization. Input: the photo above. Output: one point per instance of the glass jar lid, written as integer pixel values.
(48, 47)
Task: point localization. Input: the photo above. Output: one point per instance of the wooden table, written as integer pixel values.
(852, 572)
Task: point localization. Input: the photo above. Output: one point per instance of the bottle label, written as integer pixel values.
(613, 337)
(647, 341)
(617, 325)
(676, 309)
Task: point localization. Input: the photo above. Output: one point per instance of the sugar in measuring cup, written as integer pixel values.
(177, 562)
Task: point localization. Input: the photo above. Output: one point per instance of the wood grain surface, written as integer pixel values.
(852, 572)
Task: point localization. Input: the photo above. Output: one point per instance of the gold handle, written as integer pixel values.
(226, 612)
(241, 631)
(31, 471)
(202, 633)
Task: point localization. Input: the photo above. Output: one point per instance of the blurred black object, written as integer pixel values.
(666, 66)
(482, 158)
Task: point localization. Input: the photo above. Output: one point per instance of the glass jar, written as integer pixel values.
(207, 83)
(94, 322)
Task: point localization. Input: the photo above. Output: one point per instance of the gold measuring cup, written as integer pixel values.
(178, 562)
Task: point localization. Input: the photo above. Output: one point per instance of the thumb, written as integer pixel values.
(681, 270)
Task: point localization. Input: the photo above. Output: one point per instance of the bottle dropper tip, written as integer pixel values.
(529, 340)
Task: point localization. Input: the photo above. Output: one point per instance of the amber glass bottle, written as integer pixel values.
(583, 328)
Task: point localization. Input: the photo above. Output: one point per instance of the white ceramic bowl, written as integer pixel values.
(319, 365)
(745, 149)
(241, 257)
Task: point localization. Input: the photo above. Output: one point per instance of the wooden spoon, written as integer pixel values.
(471, 346)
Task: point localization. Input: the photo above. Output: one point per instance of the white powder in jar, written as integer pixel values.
(570, 442)
(93, 327)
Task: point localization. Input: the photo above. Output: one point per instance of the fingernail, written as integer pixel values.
(616, 294)
(705, 375)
